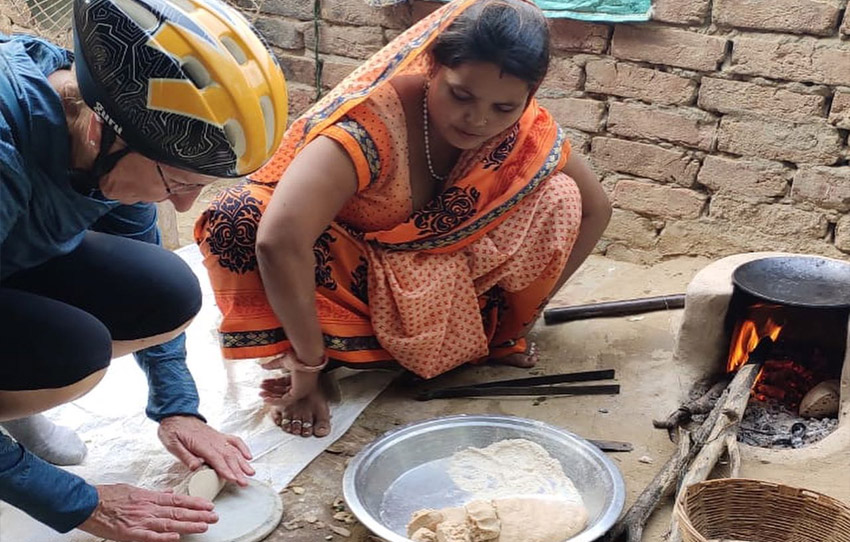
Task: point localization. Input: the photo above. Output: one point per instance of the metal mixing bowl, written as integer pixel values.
(405, 470)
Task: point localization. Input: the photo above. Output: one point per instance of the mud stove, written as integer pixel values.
(794, 309)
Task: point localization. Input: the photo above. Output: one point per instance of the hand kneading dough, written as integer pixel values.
(539, 519)
(205, 483)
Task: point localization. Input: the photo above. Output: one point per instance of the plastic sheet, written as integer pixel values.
(122, 442)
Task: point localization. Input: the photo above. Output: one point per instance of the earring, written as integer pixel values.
(91, 132)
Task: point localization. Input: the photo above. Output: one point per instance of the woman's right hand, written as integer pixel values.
(130, 514)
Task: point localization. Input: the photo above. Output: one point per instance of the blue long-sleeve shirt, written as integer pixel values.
(42, 217)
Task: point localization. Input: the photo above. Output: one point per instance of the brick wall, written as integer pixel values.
(719, 127)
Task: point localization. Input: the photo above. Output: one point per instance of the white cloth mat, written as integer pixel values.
(122, 442)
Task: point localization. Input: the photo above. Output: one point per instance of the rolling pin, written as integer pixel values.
(205, 483)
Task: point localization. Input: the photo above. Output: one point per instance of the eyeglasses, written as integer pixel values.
(177, 187)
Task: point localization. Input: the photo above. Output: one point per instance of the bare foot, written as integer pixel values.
(523, 360)
(307, 417)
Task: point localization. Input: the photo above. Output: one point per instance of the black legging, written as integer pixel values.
(58, 320)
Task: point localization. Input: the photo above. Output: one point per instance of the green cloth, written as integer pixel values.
(611, 11)
(597, 10)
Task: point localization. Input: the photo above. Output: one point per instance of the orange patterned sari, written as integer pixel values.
(454, 282)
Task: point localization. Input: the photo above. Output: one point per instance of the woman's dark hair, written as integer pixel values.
(512, 34)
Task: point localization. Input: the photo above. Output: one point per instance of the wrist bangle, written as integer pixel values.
(294, 364)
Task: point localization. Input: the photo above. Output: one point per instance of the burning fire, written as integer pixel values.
(789, 369)
(745, 339)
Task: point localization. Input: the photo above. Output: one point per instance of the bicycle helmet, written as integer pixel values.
(188, 83)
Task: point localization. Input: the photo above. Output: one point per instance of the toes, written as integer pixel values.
(295, 427)
(277, 416)
(286, 419)
(533, 355)
(307, 429)
(322, 420)
(307, 422)
(300, 414)
(306, 418)
(322, 429)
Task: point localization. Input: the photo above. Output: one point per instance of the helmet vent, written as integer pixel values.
(268, 117)
(236, 136)
(139, 14)
(196, 72)
(234, 48)
(184, 5)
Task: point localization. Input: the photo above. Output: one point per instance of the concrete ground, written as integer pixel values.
(639, 348)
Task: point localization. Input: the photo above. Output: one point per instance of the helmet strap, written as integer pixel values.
(87, 182)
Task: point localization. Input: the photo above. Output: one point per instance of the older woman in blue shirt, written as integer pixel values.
(159, 102)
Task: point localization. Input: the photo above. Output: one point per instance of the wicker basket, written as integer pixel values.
(757, 511)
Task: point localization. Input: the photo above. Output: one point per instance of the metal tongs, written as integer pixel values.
(535, 386)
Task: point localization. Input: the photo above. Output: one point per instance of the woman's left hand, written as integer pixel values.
(290, 388)
(195, 443)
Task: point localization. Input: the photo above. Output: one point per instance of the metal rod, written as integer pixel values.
(612, 445)
(613, 308)
(606, 389)
(583, 376)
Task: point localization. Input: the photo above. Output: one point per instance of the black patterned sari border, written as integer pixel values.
(244, 339)
(265, 337)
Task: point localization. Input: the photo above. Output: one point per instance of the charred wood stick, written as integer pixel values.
(732, 411)
(734, 452)
(633, 522)
(613, 308)
(630, 526)
(724, 430)
(687, 411)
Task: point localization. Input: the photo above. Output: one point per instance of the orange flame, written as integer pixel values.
(745, 339)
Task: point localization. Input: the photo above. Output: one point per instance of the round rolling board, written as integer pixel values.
(245, 514)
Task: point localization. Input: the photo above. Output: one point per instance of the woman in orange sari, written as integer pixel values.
(421, 213)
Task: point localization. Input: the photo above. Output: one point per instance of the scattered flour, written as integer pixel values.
(510, 468)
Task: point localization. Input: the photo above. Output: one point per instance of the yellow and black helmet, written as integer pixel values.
(184, 82)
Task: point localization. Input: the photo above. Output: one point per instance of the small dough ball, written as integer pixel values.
(424, 519)
(423, 535)
(456, 514)
(452, 531)
(483, 522)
